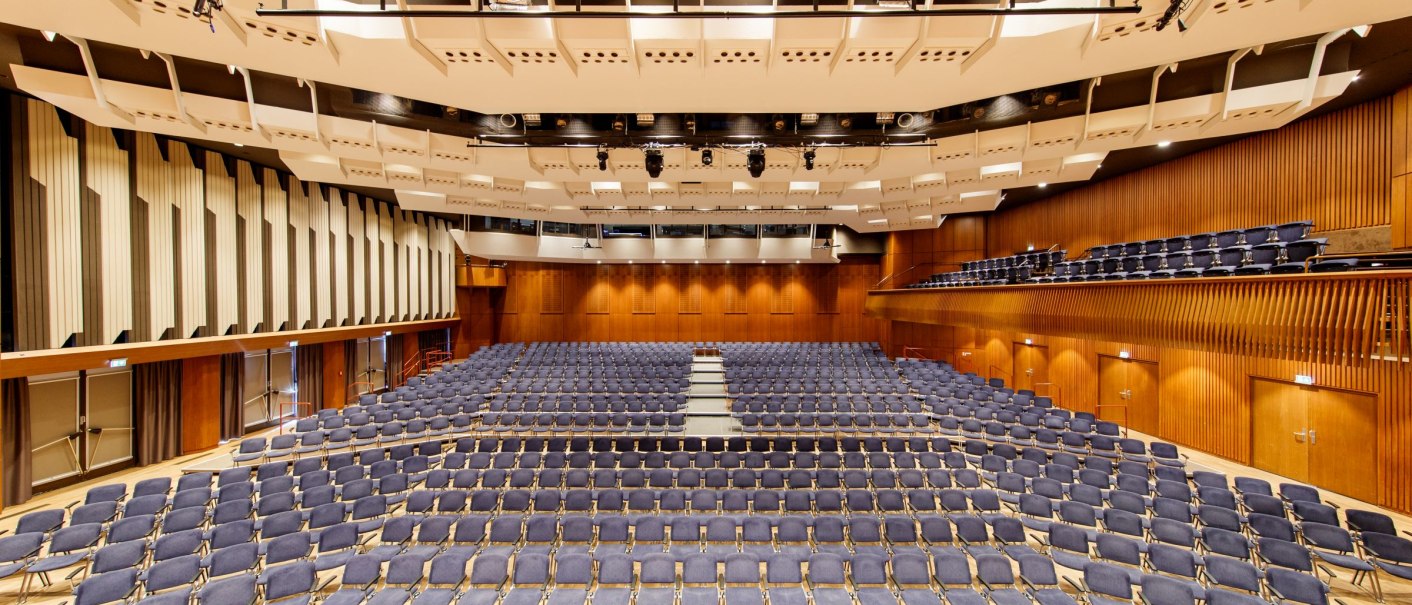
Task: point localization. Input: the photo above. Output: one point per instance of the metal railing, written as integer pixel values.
(1123, 407)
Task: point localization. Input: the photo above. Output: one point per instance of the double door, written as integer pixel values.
(80, 425)
(1128, 393)
(1324, 437)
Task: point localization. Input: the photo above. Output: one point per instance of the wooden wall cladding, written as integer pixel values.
(1341, 319)
(1205, 397)
(653, 302)
(1401, 160)
(1333, 170)
(128, 237)
(913, 255)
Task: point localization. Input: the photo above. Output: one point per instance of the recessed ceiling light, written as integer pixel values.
(1164, 144)
(1043, 185)
(240, 144)
(1355, 77)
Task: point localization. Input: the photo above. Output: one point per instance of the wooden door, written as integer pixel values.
(1280, 415)
(1031, 368)
(1112, 388)
(1143, 396)
(1128, 393)
(1343, 443)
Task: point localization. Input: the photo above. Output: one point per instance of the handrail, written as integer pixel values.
(355, 395)
(1002, 371)
(1318, 257)
(907, 350)
(1124, 407)
(296, 405)
(1055, 387)
(895, 274)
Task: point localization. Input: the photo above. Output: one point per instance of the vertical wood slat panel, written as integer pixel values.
(189, 200)
(221, 246)
(338, 246)
(54, 166)
(358, 262)
(154, 194)
(279, 265)
(106, 166)
(132, 236)
(1334, 170)
(250, 224)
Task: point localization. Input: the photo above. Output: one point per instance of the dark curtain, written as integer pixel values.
(232, 396)
(394, 360)
(435, 340)
(309, 374)
(156, 401)
(352, 365)
(14, 420)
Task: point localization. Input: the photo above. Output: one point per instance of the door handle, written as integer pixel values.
(1126, 393)
(1299, 436)
(1313, 436)
(1029, 372)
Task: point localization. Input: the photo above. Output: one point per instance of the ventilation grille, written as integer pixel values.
(872, 55)
(600, 291)
(551, 291)
(281, 32)
(604, 55)
(642, 300)
(1226, 5)
(743, 55)
(669, 56)
(944, 54)
(689, 285)
(737, 285)
(465, 55)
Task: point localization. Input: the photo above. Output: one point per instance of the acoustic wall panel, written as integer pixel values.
(155, 262)
(300, 288)
(338, 256)
(221, 234)
(109, 189)
(250, 266)
(358, 262)
(47, 225)
(277, 257)
(130, 237)
(321, 284)
(388, 275)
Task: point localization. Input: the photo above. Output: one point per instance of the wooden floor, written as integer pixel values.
(1395, 591)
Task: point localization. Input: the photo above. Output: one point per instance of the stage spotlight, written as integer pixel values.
(808, 119)
(809, 160)
(603, 159)
(706, 157)
(845, 122)
(646, 120)
(653, 162)
(561, 122)
(777, 122)
(619, 124)
(755, 161)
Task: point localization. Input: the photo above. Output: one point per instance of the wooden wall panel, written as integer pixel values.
(47, 223)
(1205, 394)
(1340, 318)
(913, 255)
(301, 314)
(200, 403)
(1335, 170)
(687, 302)
(189, 222)
(1401, 168)
(357, 260)
(338, 244)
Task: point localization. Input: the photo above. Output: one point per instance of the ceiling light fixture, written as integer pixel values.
(808, 119)
(885, 117)
(777, 122)
(619, 124)
(561, 121)
(755, 161)
(646, 120)
(1164, 144)
(845, 122)
(533, 120)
